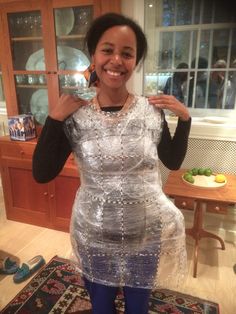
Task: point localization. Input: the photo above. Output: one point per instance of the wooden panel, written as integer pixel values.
(71, 3)
(184, 203)
(27, 200)
(217, 207)
(20, 5)
(17, 150)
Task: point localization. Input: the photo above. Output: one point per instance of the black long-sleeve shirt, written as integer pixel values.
(53, 148)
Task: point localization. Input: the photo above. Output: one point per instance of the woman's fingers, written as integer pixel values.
(66, 105)
(170, 103)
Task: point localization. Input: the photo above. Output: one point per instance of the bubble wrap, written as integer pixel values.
(124, 230)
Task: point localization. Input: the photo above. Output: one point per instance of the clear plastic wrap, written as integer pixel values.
(124, 230)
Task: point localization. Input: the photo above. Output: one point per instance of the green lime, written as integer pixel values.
(190, 172)
(190, 179)
(186, 175)
(208, 172)
(194, 171)
(201, 171)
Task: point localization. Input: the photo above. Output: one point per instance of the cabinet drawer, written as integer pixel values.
(217, 207)
(17, 150)
(184, 203)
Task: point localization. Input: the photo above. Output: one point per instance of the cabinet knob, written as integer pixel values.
(45, 193)
(184, 204)
(22, 152)
(51, 195)
(217, 208)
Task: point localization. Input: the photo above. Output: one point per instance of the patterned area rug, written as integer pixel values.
(57, 289)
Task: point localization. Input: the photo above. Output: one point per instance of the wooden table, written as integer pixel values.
(187, 196)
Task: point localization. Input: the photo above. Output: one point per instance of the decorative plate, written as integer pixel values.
(64, 21)
(69, 58)
(39, 105)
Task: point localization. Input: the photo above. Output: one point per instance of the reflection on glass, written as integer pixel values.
(207, 15)
(28, 80)
(26, 40)
(205, 44)
(182, 46)
(77, 85)
(220, 44)
(176, 83)
(32, 95)
(233, 47)
(71, 26)
(155, 82)
(25, 24)
(208, 83)
(168, 13)
(224, 12)
(2, 97)
(184, 12)
(72, 82)
(166, 48)
(33, 100)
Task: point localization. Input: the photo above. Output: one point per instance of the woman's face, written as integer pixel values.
(115, 56)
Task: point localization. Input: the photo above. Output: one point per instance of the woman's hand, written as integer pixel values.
(66, 105)
(171, 103)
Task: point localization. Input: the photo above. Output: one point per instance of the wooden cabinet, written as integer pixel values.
(42, 45)
(43, 50)
(48, 205)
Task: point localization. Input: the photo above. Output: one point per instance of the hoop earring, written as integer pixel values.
(91, 75)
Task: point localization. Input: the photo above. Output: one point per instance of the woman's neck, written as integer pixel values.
(114, 99)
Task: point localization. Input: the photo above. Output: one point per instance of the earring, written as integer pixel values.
(91, 75)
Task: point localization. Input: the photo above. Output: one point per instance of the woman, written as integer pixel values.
(124, 230)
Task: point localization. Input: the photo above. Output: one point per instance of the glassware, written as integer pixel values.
(86, 93)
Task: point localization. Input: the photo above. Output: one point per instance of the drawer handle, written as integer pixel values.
(217, 208)
(184, 204)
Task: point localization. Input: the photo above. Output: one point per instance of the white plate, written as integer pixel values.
(39, 105)
(68, 59)
(64, 21)
(217, 120)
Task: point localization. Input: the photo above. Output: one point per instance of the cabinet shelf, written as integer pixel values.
(31, 86)
(20, 39)
(71, 37)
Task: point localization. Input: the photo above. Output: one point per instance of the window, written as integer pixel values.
(192, 51)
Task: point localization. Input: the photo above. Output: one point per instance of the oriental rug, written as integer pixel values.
(57, 289)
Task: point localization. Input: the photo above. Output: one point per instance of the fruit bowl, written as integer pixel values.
(204, 181)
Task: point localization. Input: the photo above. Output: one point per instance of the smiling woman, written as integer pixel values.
(125, 232)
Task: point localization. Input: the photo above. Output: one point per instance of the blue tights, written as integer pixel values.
(103, 298)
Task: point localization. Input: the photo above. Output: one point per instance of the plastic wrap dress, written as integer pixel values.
(124, 230)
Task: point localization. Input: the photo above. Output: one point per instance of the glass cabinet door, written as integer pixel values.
(2, 97)
(26, 39)
(71, 25)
